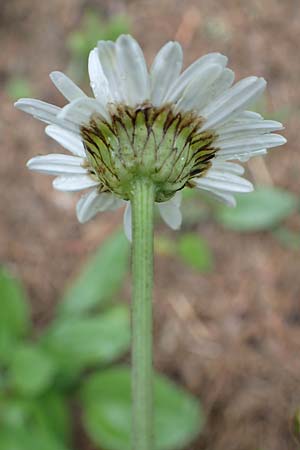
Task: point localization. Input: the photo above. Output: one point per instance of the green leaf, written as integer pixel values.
(194, 251)
(27, 425)
(259, 210)
(13, 412)
(31, 370)
(53, 411)
(78, 343)
(93, 27)
(289, 238)
(164, 246)
(31, 438)
(18, 87)
(106, 400)
(297, 423)
(14, 316)
(14, 310)
(100, 279)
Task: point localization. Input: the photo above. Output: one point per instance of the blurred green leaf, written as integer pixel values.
(13, 412)
(53, 411)
(290, 239)
(100, 279)
(259, 210)
(194, 251)
(31, 370)
(14, 316)
(188, 194)
(25, 425)
(164, 245)
(93, 27)
(78, 343)
(18, 87)
(190, 248)
(106, 400)
(14, 310)
(297, 423)
(31, 438)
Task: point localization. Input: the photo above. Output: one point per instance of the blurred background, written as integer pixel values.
(227, 293)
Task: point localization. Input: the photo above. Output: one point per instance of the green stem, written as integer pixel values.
(142, 202)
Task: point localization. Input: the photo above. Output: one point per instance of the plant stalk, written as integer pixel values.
(142, 202)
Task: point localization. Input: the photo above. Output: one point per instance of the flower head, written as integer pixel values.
(179, 129)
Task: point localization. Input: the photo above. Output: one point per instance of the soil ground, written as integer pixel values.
(231, 337)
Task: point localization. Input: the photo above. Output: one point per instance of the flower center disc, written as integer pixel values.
(150, 142)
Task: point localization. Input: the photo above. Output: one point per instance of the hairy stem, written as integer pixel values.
(142, 202)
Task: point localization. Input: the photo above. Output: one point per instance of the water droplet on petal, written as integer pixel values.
(244, 158)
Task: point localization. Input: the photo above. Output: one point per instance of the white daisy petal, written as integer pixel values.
(133, 70)
(228, 167)
(74, 183)
(223, 197)
(79, 111)
(99, 83)
(93, 202)
(241, 156)
(191, 73)
(247, 128)
(232, 102)
(192, 95)
(66, 139)
(165, 70)
(66, 86)
(127, 220)
(248, 115)
(57, 164)
(216, 180)
(38, 109)
(241, 145)
(170, 211)
(45, 112)
(221, 84)
(108, 60)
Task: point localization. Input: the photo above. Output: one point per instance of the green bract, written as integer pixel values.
(154, 143)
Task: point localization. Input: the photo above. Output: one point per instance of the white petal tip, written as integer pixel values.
(232, 203)
(81, 219)
(281, 140)
(50, 128)
(21, 103)
(245, 187)
(31, 163)
(177, 226)
(262, 80)
(250, 187)
(262, 83)
(125, 38)
(54, 74)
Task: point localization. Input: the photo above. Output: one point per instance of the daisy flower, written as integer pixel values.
(178, 128)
